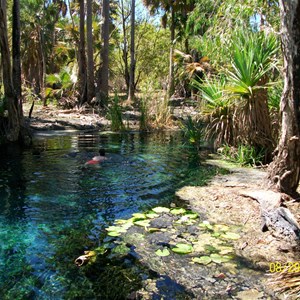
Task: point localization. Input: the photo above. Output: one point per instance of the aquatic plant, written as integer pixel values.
(193, 131)
(115, 114)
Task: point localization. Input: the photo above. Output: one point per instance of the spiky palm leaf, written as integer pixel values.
(217, 109)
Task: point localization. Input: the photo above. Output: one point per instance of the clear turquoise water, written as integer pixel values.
(52, 208)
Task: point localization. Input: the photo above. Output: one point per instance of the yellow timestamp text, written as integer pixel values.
(290, 267)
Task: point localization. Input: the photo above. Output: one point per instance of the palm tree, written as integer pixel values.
(252, 59)
(132, 54)
(90, 52)
(82, 56)
(176, 10)
(217, 110)
(104, 69)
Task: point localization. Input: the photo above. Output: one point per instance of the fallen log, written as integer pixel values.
(275, 218)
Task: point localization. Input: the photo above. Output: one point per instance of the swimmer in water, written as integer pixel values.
(97, 159)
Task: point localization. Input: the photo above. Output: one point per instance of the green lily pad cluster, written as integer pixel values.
(213, 244)
(143, 219)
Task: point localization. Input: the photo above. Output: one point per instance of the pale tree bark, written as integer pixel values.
(132, 54)
(125, 48)
(81, 55)
(284, 171)
(171, 85)
(90, 52)
(104, 70)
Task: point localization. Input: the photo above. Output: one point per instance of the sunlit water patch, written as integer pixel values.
(53, 207)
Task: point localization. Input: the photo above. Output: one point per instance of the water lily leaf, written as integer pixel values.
(210, 249)
(183, 248)
(121, 221)
(205, 224)
(221, 227)
(116, 228)
(226, 250)
(139, 216)
(218, 259)
(152, 215)
(160, 209)
(191, 215)
(204, 260)
(114, 233)
(185, 219)
(216, 234)
(163, 252)
(143, 223)
(177, 211)
(231, 236)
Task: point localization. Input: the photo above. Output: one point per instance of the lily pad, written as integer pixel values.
(177, 211)
(206, 225)
(183, 248)
(210, 249)
(116, 229)
(221, 227)
(204, 260)
(152, 215)
(218, 259)
(231, 236)
(114, 233)
(160, 209)
(191, 215)
(139, 216)
(185, 219)
(163, 252)
(121, 221)
(143, 223)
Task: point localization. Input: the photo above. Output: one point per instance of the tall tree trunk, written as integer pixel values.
(81, 55)
(125, 48)
(284, 172)
(12, 128)
(132, 54)
(16, 54)
(104, 71)
(90, 52)
(171, 86)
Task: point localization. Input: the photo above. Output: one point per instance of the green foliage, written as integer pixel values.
(60, 84)
(144, 117)
(252, 58)
(193, 131)
(115, 114)
(244, 155)
(216, 109)
(274, 95)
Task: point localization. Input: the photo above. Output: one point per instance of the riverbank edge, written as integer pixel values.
(224, 200)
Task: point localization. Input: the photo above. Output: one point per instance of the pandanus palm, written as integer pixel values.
(252, 59)
(217, 110)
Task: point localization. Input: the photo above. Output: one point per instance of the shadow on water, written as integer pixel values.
(52, 208)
